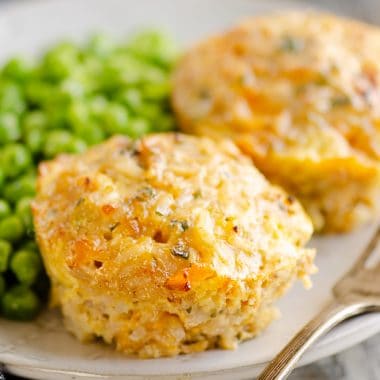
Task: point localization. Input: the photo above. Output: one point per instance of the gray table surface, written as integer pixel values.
(361, 362)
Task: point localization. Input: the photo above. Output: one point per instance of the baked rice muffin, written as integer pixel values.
(300, 93)
(171, 244)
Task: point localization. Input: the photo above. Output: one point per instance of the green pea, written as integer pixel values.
(72, 98)
(115, 119)
(82, 124)
(164, 123)
(77, 145)
(31, 172)
(57, 117)
(21, 187)
(129, 71)
(78, 115)
(9, 128)
(59, 141)
(34, 140)
(17, 68)
(24, 212)
(5, 209)
(97, 105)
(71, 90)
(12, 98)
(20, 303)
(100, 45)
(153, 75)
(156, 91)
(15, 158)
(30, 245)
(35, 120)
(138, 127)
(38, 92)
(11, 228)
(5, 252)
(132, 98)
(2, 178)
(90, 72)
(154, 45)
(56, 142)
(26, 265)
(2, 286)
(60, 61)
(150, 111)
(91, 133)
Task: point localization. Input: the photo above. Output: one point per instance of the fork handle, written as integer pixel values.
(334, 313)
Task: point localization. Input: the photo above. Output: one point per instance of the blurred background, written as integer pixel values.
(365, 9)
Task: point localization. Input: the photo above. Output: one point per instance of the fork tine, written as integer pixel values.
(367, 251)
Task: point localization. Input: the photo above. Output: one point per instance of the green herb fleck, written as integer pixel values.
(145, 193)
(114, 226)
(291, 44)
(204, 93)
(340, 101)
(182, 224)
(197, 194)
(300, 89)
(245, 79)
(321, 80)
(181, 251)
(148, 190)
(79, 201)
(281, 206)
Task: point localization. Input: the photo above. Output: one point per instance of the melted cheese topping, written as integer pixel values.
(169, 244)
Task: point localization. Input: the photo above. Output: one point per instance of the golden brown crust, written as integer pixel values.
(300, 93)
(176, 237)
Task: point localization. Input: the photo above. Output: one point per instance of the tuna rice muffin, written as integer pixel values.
(170, 244)
(299, 93)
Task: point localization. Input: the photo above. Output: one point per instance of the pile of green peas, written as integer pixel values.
(73, 97)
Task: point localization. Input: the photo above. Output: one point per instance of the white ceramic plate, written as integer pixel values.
(43, 350)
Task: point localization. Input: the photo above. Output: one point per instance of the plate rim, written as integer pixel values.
(319, 351)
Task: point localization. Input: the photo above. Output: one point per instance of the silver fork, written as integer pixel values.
(355, 293)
